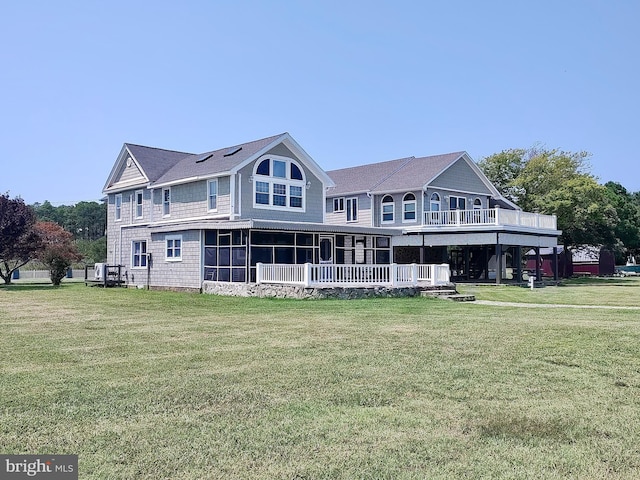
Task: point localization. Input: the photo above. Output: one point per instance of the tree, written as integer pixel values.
(58, 250)
(19, 242)
(628, 210)
(558, 183)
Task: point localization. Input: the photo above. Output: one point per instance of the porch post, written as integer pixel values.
(486, 262)
(498, 263)
(518, 264)
(307, 275)
(394, 274)
(258, 272)
(467, 263)
(538, 263)
(555, 264)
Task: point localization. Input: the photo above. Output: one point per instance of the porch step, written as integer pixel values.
(447, 294)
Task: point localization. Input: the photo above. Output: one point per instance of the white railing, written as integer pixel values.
(489, 216)
(331, 275)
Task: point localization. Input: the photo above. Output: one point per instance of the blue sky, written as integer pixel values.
(353, 81)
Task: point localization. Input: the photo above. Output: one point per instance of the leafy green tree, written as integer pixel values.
(558, 183)
(93, 251)
(19, 242)
(58, 250)
(627, 230)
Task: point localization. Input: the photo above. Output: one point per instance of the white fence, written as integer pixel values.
(44, 274)
(489, 216)
(331, 275)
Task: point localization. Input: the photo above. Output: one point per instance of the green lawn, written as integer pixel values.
(614, 291)
(153, 385)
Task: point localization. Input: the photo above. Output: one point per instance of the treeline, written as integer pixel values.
(87, 223)
(560, 183)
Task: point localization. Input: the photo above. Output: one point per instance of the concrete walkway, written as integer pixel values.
(547, 305)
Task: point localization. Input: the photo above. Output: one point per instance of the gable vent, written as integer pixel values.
(232, 151)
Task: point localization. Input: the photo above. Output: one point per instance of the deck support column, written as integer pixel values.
(555, 264)
(467, 263)
(518, 260)
(498, 264)
(538, 264)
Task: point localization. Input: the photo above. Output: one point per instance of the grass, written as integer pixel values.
(153, 385)
(613, 291)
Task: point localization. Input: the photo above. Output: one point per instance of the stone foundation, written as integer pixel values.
(298, 292)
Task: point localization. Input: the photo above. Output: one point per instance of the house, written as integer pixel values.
(181, 220)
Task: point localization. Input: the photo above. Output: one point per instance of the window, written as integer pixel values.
(139, 198)
(262, 193)
(213, 194)
(457, 203)
(166, 202)
(477, 204)
(174, 248)
(139, 254)
(388, 208)
(118, 207)
(225, 255)
(409, 208)
(278, 182)
(435, 202)
(352, 209)
(338, 205)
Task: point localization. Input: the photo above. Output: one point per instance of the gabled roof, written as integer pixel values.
(154, 162)
(417, 173)
(210, 164)
(364, 178)
(404, 174)
(161, 167)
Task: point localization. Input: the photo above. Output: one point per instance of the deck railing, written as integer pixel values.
(489, 216)
(331, 275)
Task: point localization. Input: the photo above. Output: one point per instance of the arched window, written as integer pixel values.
(278, 182)
(477, 204)
(388, 209)
(435, 202)
(409, 208)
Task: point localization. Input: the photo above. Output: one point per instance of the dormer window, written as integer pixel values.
(278, 183)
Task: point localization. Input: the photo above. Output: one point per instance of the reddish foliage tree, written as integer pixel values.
(58, 250)
(19, 242)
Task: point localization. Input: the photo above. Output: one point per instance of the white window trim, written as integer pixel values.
(164, 202)
(349, 209)
(393, 210)
(457, 197)
(338, 201)
(145, 254)
(141, 204)
(475, 206)
(118, 208)
(166, 248)
(435, 202)
(271, 181)
(415, 208)
(215, 180)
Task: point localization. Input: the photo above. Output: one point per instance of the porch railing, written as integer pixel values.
(489, 216)
(331, 275)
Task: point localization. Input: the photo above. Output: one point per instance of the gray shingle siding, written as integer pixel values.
(313, 211)
(340, 218)
(460, 177)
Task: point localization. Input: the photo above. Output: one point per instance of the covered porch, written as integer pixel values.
(483, 257)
